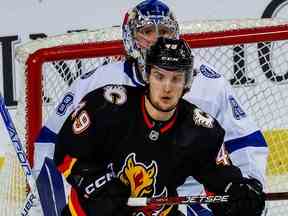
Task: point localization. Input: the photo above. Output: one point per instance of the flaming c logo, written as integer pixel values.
(141, 178)
(142, 182)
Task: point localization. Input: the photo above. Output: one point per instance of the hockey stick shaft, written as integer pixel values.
(176, 200)
(18, 147)
(139, 201)
(276, 196)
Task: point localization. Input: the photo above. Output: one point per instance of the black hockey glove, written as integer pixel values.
(246, 198)
(101, 194)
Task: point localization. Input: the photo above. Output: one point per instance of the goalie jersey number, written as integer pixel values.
(237, 111)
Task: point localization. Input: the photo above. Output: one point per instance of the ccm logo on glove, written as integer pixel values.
(98, 183)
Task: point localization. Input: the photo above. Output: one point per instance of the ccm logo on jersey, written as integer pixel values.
(202, 118)
(209, 72)
(65, 103)
(115, 94)
(81, 122)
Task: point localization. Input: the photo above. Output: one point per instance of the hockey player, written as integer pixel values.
(141, 27)
(124, 141)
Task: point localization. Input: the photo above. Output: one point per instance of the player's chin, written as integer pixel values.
(167, 107)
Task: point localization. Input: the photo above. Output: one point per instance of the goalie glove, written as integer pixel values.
(100, 192)
(246, 197)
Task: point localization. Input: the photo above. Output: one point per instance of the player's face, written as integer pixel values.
(165, 88)
(146, 36)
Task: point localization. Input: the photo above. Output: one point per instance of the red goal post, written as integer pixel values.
(247, 52)
(227, 33)
(34, 78)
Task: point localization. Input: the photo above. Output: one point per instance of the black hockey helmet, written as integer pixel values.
(171, 54)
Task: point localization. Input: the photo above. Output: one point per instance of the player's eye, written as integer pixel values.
(158, 76)
(178, 79)
(164, 32)
(148, 31)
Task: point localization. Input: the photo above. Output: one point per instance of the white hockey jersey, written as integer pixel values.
(210, 91)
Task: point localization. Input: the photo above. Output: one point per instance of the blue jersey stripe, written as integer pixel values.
(255, 139)
(46, 136)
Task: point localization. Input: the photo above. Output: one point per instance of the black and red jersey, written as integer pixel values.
(111, 126)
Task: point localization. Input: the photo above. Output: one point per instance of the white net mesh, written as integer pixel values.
(256, 70)
(264, 99)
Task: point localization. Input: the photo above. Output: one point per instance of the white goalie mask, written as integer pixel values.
(147, 13)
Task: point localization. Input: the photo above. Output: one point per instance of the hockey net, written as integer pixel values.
(252, 54)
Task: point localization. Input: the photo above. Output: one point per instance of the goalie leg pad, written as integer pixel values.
(51, 189)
